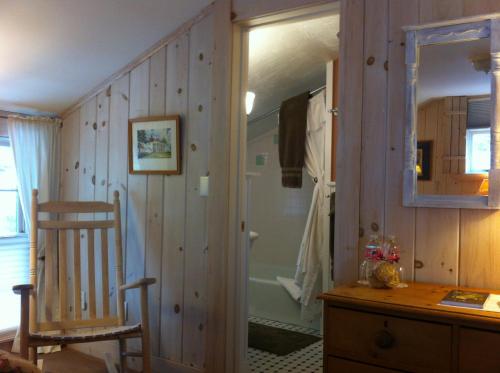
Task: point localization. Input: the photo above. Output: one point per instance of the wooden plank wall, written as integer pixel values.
(164, 217)
(443, 121)
(455, 246)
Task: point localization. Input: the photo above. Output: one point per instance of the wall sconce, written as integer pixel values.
(249, 99)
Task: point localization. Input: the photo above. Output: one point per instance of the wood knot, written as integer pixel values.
(103, 123)
(370, 61)
(200, 56)
(177, 308)
(386, 65)
(77, 164)
(200, 327)
(375, 227)
(193, 147)
(200, 108)
(180, 248)
(179, 91)
(94, 125)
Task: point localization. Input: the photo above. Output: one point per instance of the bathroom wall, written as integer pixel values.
(277, 214)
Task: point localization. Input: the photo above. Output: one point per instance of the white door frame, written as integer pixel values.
(237, 209)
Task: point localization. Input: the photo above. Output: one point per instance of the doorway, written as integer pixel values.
(278, 59)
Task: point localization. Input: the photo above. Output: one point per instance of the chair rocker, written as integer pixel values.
(60, 263)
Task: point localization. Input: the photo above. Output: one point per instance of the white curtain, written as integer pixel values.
(35, 142)
(308, 275)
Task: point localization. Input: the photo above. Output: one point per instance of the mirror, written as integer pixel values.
(452, 128)
(453, 118)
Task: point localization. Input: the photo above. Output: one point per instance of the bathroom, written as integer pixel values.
(280, 217)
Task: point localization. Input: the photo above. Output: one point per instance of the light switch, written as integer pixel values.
(204, 186)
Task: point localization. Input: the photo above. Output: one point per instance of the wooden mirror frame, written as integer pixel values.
(465, 29)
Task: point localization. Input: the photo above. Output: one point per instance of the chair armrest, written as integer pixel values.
(19, 289)
(142, 282)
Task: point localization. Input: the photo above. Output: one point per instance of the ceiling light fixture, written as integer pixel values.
(249, 99)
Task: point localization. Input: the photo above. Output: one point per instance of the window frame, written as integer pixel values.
(470, 132)
(21, 226)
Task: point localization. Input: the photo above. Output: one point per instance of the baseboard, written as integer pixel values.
(164, 365)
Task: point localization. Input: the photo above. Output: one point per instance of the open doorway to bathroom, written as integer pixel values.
(288, 80)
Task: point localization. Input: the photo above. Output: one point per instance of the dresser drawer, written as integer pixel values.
(388, 341)
(337, 365)
(479, 351)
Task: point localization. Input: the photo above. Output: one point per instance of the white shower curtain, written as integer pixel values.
(35, 144)
(308, 275)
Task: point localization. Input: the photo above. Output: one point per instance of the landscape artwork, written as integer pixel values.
(154, 145)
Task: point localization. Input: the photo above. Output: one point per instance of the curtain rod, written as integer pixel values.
(275, 110)
(28, 116)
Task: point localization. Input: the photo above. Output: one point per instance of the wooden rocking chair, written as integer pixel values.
(64, 330)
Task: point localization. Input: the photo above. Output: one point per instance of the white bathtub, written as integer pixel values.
(269, 300)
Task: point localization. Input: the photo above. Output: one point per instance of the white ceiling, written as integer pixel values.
(287, 59)
(54, 51)
(447, 70)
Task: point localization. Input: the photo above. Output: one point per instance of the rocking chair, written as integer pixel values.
(98, 324)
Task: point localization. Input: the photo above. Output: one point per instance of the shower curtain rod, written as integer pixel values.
(275, 110)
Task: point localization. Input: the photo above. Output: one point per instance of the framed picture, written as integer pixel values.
(424, 160)
(154, 145)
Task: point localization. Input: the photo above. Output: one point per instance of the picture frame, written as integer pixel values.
(154, 146)
(424, 160)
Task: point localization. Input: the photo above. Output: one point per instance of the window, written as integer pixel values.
(11, 217)
(14, 248)
(477, 150)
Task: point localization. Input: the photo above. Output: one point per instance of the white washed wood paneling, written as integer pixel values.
(154, 221)
(174, 207)
(197, 132)
(101, 189)
(399, 221)
(374, 125)
(347, 196)
(136, 207)
(86, 187)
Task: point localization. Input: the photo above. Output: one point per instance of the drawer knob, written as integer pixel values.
(384, 340)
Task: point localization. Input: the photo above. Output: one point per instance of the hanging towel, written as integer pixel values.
(290, 286)
(292, 135)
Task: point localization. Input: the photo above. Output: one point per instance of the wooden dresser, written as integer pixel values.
(373, 330)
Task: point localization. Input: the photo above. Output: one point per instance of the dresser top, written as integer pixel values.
(417, 297)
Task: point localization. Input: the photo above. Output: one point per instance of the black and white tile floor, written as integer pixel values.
(307, 360)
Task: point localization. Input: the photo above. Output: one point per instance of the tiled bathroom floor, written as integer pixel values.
(307, 360)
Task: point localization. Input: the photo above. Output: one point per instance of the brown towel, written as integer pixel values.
(292, 139)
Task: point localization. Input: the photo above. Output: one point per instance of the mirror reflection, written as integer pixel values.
(453, 118)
